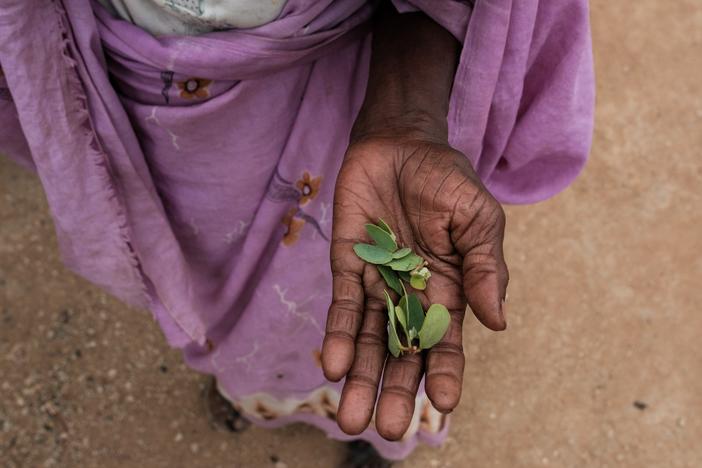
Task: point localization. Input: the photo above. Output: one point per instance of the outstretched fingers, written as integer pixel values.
(444, 362)
(345, 313)
(397, 397)
(361, 387)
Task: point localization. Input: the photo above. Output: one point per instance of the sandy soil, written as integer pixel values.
(601, 365)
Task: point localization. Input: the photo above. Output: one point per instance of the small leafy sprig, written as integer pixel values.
(398, 265)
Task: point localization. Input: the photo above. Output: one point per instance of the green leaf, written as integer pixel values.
(392, 312)
(435, 325)
(417, 282)
(381, 238)
(403, 302)
(404, 276)
(394, 344)
(372, 253)
(390, 306)
(391, 278)
(401, 315)
(403, 252)
(407, 263)
(384, 226)
(415, 313)
(399, 312)
(403, 305)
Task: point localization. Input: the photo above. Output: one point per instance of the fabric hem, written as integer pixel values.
(97, 155)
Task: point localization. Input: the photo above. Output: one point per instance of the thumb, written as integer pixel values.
(477, 232)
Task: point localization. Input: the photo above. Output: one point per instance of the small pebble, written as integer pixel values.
(178, 437)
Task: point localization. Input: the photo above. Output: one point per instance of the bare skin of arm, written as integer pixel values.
(400, 167)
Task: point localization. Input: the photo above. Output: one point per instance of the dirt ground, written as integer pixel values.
(601, 365)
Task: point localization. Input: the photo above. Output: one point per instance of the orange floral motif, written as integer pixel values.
(294, 226)
(308, 186)
(194, 88)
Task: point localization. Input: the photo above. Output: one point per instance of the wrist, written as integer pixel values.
(410, 125)
(413, 61)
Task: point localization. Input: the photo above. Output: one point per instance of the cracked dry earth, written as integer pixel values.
(601, 365)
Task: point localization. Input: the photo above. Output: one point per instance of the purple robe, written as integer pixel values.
(194, 175)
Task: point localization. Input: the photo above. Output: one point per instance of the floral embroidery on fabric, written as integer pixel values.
(304, 190)
(308, 186)
(194, 88)
(294, 226)
(282, 190)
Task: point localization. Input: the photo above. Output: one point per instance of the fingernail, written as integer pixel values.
(503, 309)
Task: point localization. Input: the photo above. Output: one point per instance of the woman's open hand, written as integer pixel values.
(431, 197)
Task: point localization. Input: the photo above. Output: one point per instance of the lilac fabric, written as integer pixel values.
(194, 175)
